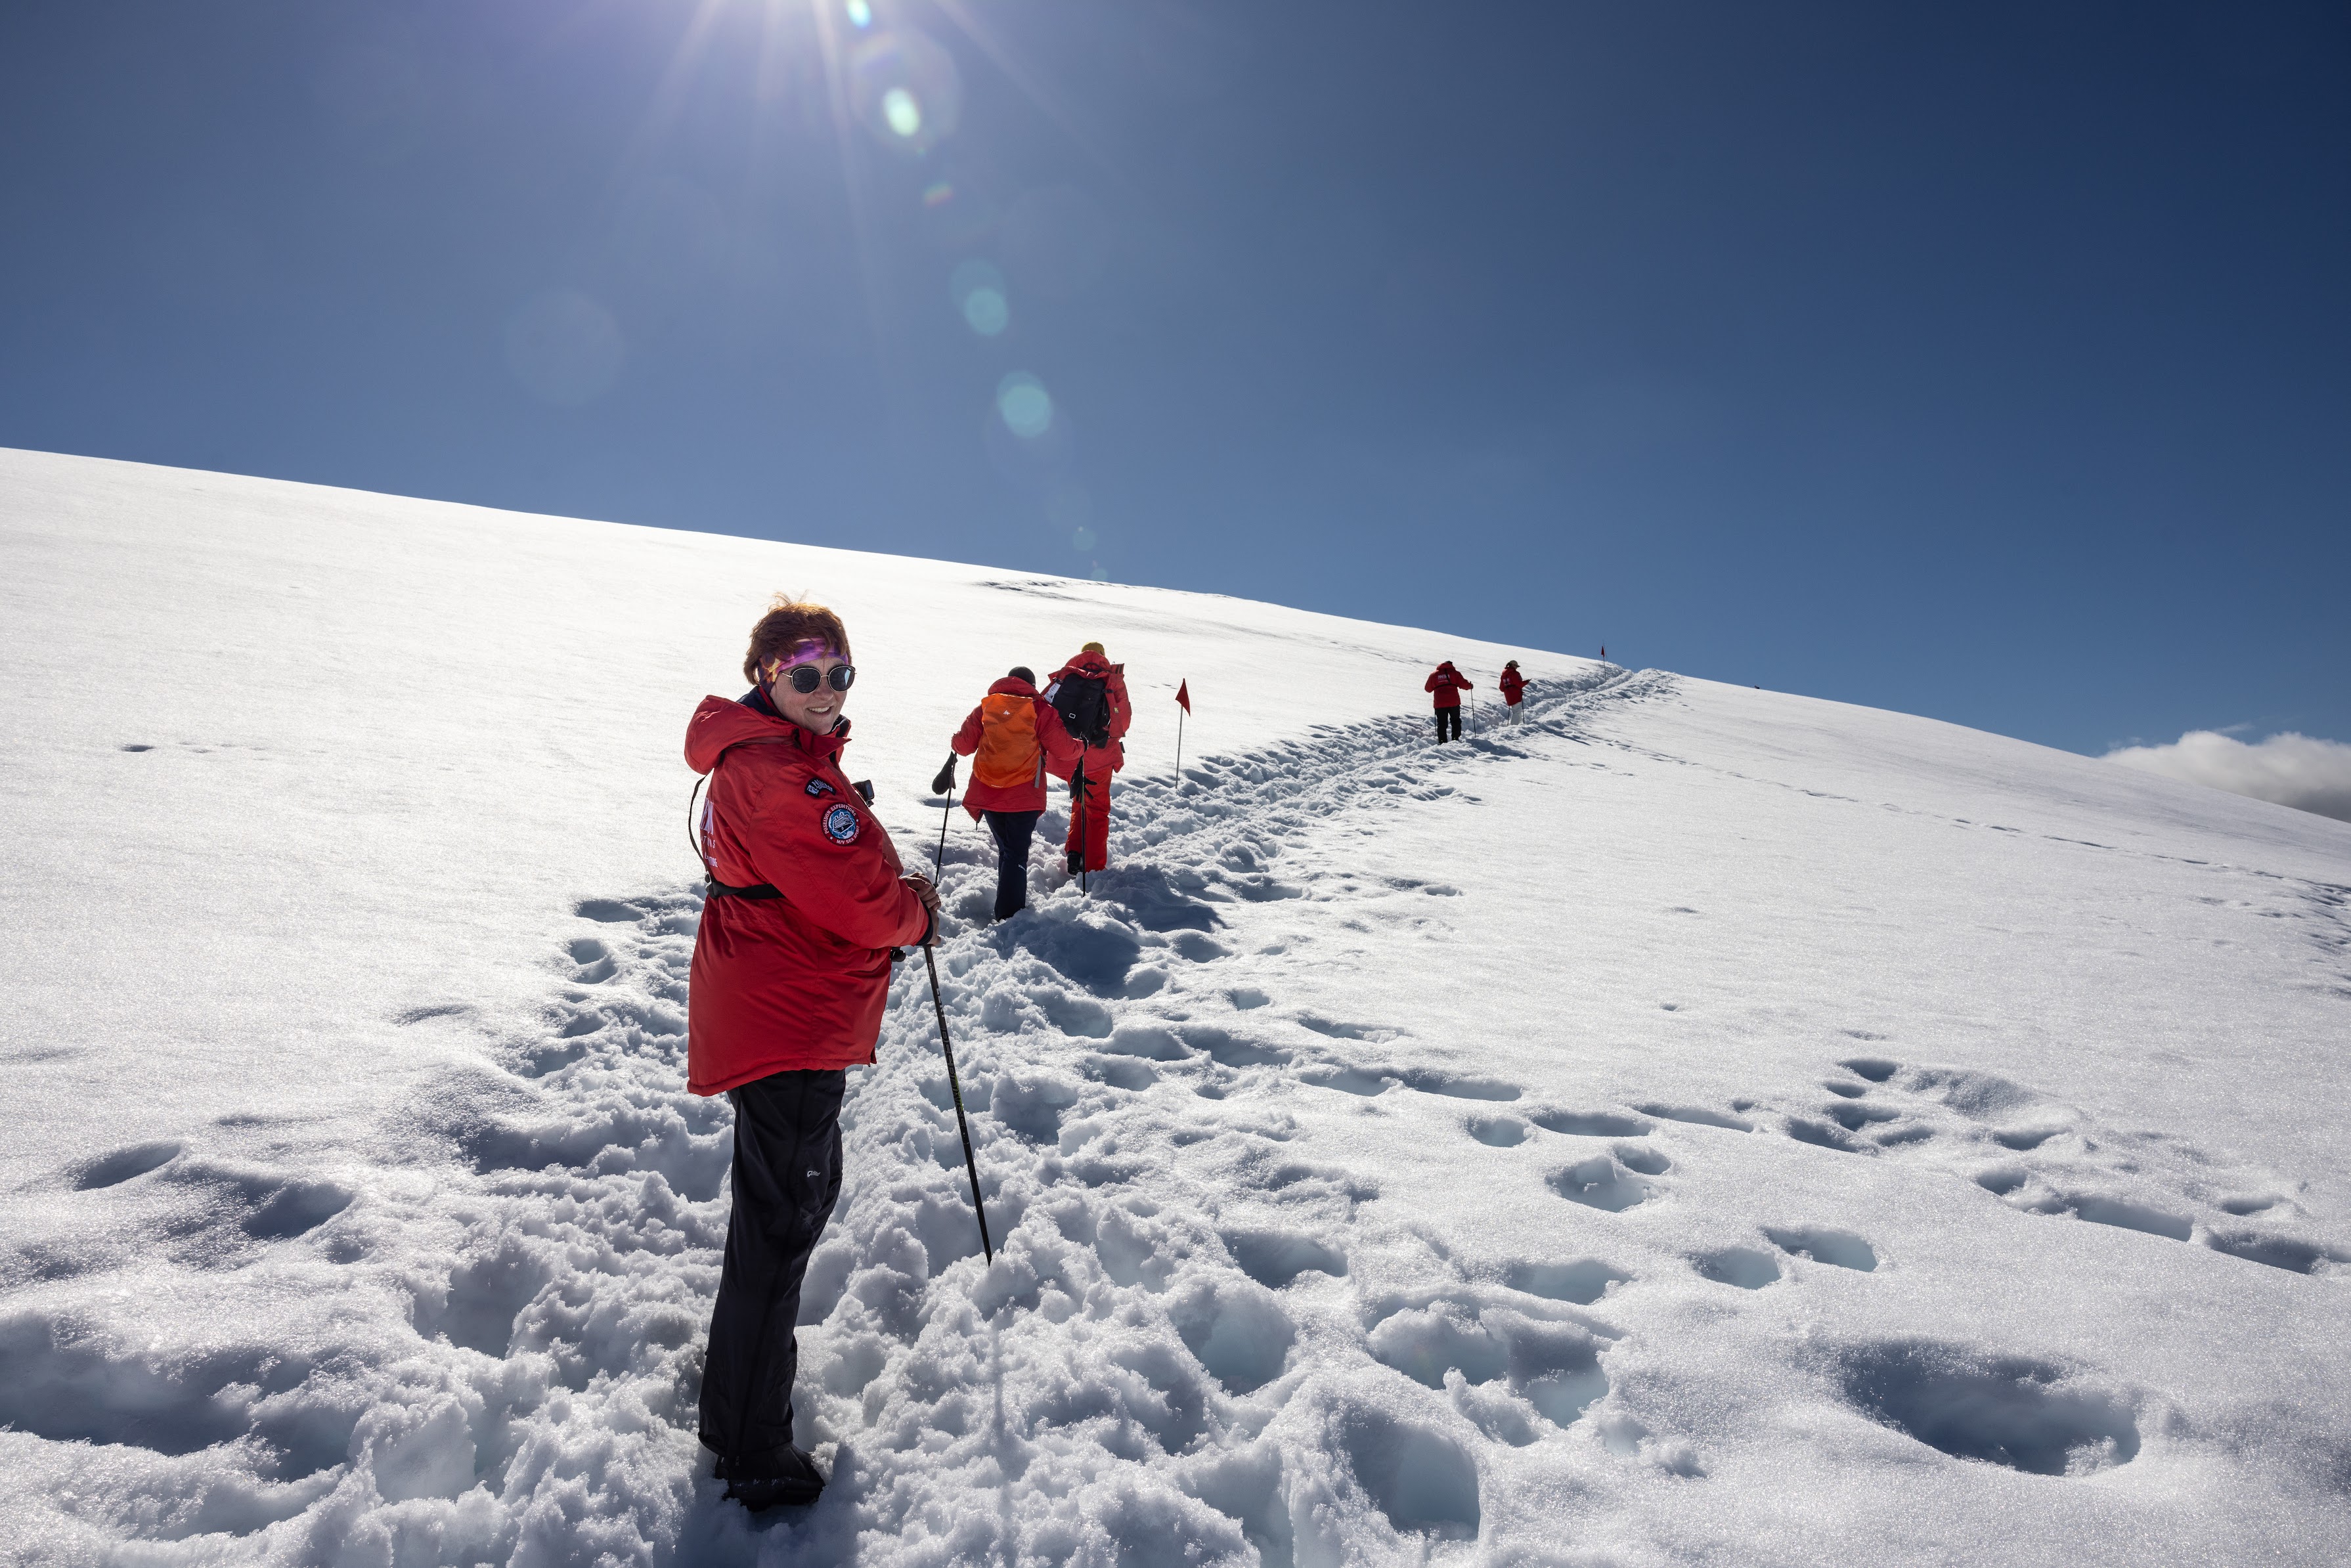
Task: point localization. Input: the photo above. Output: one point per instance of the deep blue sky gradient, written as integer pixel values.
(1987, 361)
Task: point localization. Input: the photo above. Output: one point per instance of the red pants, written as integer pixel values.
(1090, 818)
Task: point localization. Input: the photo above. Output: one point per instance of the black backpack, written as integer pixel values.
(1083, 703)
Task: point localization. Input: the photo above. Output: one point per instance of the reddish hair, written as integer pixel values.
(790, 625)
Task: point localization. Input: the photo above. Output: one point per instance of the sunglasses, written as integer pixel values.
(804, 678)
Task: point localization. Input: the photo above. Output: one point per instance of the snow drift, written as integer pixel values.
(1701, 1125)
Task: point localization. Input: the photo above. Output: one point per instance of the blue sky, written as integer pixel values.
(1988, 362)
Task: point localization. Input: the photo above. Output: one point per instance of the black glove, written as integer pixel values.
(864, 788)
(945, 783)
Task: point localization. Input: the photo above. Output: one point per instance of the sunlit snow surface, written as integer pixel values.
(1702, 1126)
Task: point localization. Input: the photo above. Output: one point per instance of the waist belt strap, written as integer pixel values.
(718, 889)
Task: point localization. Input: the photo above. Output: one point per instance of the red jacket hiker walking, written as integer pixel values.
(1514, 689)
(1087, 774)
(1448, 684)
(1013, 738)
(791, 970)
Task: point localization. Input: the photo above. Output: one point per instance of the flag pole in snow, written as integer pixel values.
(955, 1089)
(1184, 697)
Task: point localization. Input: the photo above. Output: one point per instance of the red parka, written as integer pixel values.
(1056, 752)
(799, 981)
(1514, 686)
(1121, 714)
(1448, 684)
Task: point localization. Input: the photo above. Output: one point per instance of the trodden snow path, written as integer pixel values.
(1278, 1279)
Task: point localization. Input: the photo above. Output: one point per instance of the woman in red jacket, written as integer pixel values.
(1514, 691)
(1448, 683)
(791, 969)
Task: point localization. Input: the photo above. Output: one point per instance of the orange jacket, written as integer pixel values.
(1055, 751)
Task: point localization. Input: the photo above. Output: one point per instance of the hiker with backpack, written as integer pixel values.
(1514, 690)
(1448, 683)
(1012, 738)
(1089, 693)
(808, 903)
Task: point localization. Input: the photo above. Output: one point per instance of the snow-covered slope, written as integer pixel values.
(1704, 1124)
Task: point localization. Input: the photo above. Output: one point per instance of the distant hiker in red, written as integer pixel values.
(1089, 694)
(1514, 688)
(1448, 684)
(1012, 738)
(791, 969)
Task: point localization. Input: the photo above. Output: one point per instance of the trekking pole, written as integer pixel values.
(946, 776)
(955, 1089)
(1083, 784)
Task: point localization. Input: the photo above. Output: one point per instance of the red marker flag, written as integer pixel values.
(1183, 695)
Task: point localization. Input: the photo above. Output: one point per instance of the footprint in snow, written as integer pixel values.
(1975, 1405)
(1611, 1182)
(61, 1381)
(1498, 1132)
(1748, 1268)
(1822, 1245)
(1458, 1088)
(121, 1165)
(1276, 1257)
(1580, 1283)
(2013, 1117)
(1551, 1367)
(1697, 1116)
(1588, 1123)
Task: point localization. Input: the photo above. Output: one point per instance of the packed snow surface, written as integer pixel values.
(1698, 1125)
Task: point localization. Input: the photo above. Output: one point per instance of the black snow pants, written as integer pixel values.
(1013, 830)
(1447, 716)
(786, 1177)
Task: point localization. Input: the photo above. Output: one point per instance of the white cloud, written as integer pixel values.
(2291, 770)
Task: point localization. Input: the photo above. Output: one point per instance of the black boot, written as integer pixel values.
(787, 1479)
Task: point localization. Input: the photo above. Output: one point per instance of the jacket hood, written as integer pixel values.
(1087, 664)
(722, 722)
(1012, 686)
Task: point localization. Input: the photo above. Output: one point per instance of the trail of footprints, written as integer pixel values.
(588, 1229)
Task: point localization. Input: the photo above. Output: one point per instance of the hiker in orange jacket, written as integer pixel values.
(1095, 689)
(1013, 738)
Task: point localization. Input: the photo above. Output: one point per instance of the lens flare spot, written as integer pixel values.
(938, 195)
(1022, 402)
(979, 294)
(861, 14)
(1082, 541)
(906, 90)
(986, 312)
